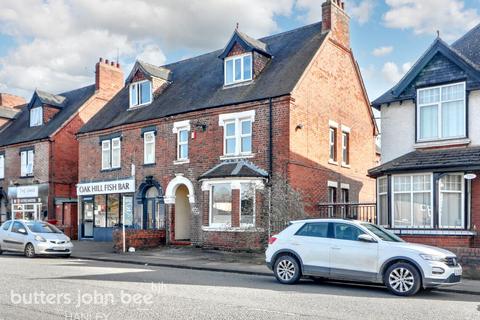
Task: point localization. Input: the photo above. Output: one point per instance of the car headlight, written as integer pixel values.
(40, 238)
(68, 240)
(431, 257)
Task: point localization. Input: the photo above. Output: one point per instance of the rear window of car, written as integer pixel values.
(6, 225)
(317, 229)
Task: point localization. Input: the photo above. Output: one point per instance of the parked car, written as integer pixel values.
(358, 251)
(34, 238)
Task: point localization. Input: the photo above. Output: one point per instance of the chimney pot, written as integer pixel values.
(112, 63)
(101, 59)
(118, 65)
(106, 61)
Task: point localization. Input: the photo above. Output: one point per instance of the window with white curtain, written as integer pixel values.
(111, 153)
(2, 166)
(149, 147)
(106, 161)
(451, 198)
(36, 117)
(26, 163)
(382, 205)
(412, 201)
(441, 112)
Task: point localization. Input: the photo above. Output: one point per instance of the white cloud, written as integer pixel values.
(426, 16)
(59, 41)
(392, 73)
(382, 51)
(361, 10)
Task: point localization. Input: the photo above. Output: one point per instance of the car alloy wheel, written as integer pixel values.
(402, 279)
(29, 251)
(287, 270)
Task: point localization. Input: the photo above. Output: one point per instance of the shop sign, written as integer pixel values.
(27, 192)
(106, 187)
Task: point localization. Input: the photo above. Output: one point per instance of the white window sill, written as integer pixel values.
(237, 84)
(438, 232)
(441, 143)
(238, 156)
(181, 161)
(232, 229)
(330, 161)
(345, 165)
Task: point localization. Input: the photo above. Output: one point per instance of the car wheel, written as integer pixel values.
(287, 270)
(29, 251)
(402, 279)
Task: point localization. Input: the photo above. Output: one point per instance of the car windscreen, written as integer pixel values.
(382, 233)
(39, 227)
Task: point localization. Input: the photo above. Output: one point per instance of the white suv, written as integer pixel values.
(358, 251)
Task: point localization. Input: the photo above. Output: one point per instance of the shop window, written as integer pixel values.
(100, 211)
(113, 210)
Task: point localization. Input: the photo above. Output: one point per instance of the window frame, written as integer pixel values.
(110, 153)
(332, 157)
(439, 105)
(411, 193)
(382, 194)
(29, 160)
(242, 68)
(254, 216)
(462, 195)
(210, 206)
(181, 143)
(345, 148)
(2, 166)
(237, 136)
(152, 143)
(39, 111)
(138, 93)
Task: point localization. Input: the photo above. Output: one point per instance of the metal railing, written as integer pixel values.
(358, 211)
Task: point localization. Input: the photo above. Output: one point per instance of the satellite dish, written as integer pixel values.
(470, 176)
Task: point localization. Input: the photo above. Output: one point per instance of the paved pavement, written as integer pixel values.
(209, 260)
(85, 289)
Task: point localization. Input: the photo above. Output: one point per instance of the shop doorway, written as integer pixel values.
(182, 214)
(87, 217)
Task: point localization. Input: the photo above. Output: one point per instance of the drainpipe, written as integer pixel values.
(270, 164)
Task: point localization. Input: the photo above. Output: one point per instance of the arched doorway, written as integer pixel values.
(180, 197)
(150, 195)
(183, 214)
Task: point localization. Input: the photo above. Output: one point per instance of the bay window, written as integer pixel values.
(221, 205)
(247, 204)
(412, 201)
(140, 93)
(382, 205)
(451, 207)
(238, 69)
(441, 112)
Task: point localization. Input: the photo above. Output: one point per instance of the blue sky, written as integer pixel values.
(54, 44)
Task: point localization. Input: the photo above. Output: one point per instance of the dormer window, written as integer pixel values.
(238, 68)
(140, 93)
(36, 117)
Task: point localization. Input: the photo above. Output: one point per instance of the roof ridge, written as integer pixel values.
(259, 39)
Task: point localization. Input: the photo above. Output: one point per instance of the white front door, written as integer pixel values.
(351, 258)
(311, 242)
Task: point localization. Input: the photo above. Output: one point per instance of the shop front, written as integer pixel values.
(103, 207)
(29, 202)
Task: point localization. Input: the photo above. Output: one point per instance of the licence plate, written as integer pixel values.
(58, 248)
(458, 271)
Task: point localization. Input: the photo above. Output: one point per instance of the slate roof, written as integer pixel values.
(466, 50)
(149, 69)
(254, 43)
(8, 113)
(20, 131)
(432, 160)
(236, 168)
(197, 83)
(50, 98)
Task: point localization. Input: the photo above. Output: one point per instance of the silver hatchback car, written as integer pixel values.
(34, 238)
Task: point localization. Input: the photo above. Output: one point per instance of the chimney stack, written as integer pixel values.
(336, 21)
(108, 78)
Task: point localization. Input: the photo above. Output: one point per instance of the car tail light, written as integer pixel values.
(272, 240)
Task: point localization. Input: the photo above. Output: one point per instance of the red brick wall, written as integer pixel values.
(49, 113)
(138, 239)
(108, 78)
(233, 240)
(331, 90)
(440, 241)
(475, 209)
(337, 21)
(469, 258)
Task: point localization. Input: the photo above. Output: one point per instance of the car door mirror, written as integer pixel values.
(22, 231)
(366, 238)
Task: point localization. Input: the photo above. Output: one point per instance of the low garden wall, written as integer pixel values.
(138, 239)
(469, 258)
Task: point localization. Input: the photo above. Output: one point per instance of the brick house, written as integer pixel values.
(39, 150)
(191, 147)
(10, 105)
(428, 191)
